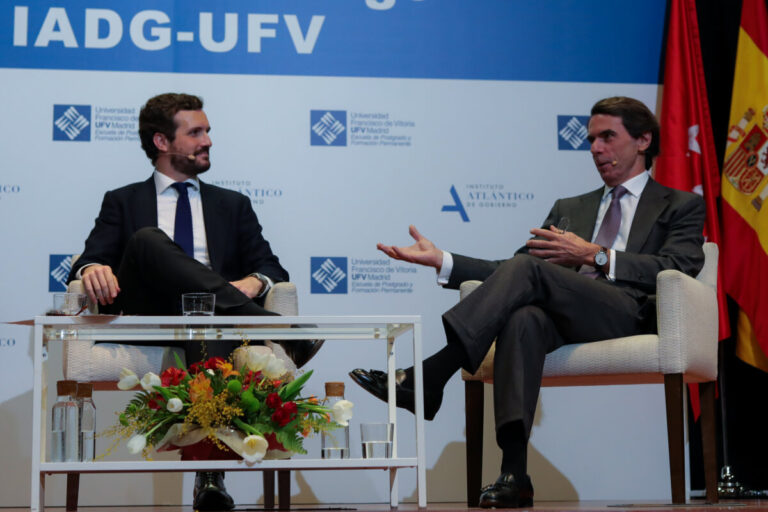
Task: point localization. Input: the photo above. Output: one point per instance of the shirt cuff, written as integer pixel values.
(444, 274)
(611, 274)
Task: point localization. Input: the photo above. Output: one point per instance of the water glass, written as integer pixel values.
(377, 440)
(334, 444)
(69, 304)
(198, 304)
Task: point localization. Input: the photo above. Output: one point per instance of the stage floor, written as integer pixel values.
(550, 506)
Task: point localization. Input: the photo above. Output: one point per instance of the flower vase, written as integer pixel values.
(207, 450)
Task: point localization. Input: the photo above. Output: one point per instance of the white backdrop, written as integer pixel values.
(486, 123)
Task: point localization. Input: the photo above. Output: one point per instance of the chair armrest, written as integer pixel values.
(468, 287)
(283, 299)
(687, 322)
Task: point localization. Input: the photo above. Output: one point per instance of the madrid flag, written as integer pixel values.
(687, 160)
(745, 186)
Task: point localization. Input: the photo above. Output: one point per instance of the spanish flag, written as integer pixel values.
(744, 187)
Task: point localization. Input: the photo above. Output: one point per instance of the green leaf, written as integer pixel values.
(292, 389)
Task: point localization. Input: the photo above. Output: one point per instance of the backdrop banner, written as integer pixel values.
(343, 122)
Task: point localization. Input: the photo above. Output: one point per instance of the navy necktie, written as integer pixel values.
(182, 230)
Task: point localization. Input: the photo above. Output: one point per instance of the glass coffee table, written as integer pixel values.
(388, 328)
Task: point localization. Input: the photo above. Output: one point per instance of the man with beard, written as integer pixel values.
(173, 234)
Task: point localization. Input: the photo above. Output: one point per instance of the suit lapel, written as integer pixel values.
(145, 205)
(586, 215)
(214, 236)
(652, 202)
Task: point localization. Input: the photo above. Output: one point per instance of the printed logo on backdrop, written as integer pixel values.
(477, 196)
(328, 127)
(101, 123)
(72, 122)
(59, 267)
(342, 128)
(572, 133)
(7, 342)
(328, 274)
(258, 195)
(8, 189)
(360, 275)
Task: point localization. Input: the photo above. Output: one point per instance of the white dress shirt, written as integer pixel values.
(628, 201)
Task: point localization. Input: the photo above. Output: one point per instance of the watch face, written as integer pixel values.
(601, 258)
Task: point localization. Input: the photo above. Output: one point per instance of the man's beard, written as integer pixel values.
(189, 167)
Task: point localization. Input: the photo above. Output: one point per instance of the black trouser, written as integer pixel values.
(532, 307)
(153, 274)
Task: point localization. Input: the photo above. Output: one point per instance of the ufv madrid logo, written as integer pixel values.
(329, 274)
(328, 127)
(59, 267)
(572, 133)
(72, 122)
(457, 205)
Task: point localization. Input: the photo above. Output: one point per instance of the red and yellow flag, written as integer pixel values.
(688, 160)
(745, 187)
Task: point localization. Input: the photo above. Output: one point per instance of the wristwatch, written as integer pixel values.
(601, 257)
(264, 282)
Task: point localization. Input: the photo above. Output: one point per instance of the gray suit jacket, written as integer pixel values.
(666, 233)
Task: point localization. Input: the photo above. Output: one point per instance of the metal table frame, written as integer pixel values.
(154, 328)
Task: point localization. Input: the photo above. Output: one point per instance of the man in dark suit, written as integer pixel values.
(174, 234)
(593, 281)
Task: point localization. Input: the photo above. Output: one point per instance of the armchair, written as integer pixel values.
(683, 351)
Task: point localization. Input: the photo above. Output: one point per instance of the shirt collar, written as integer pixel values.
(634, 185)
(163, 182)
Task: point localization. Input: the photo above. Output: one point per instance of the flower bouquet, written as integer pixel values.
(254, 411)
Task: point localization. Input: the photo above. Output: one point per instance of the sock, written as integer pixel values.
(439, 367)
(513, 442)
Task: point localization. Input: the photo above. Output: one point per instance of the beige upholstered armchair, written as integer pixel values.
(683, 351)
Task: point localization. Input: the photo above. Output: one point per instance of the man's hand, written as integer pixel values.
(250, 286)
(422, 252)
(100, 284)
(562, 248)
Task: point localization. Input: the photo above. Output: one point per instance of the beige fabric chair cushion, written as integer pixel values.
(686, 343)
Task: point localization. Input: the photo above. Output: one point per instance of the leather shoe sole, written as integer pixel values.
(375, 382)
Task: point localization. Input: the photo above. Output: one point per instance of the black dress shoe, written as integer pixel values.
(210, 493)
(375, 382)
(507, 492)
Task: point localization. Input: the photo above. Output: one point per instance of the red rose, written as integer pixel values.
(281, 417)
(252, 377)
(213, 363)
(172, 377)
(156, 402)
(290, 407)
(274, 401)
(195, 368)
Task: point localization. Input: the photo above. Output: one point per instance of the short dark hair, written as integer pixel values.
(157, 117)
(636, 118)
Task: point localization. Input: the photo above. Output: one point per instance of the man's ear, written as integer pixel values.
(161, 141)
(644, 142)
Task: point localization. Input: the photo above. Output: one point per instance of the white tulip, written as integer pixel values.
(342, 412)
(128, 380)
(275, 368)
(175, 404)
(137, 443)
(149, 380)
(257, 358)
(254, 448)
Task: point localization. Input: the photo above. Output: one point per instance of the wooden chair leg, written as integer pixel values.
(673, 390)
(269, 488)
(73, 489)
(708, 441)
(284, 489)
(473, 412)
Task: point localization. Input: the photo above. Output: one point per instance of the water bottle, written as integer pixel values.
(87, 421)
(335, 443)
(65, 427)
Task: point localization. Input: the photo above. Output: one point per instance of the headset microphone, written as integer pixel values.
(614, 162)
(191, 157)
